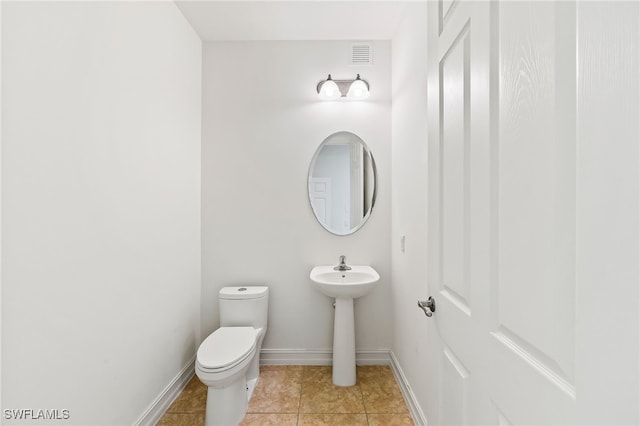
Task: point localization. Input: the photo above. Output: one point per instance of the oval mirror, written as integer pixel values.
(342, 183)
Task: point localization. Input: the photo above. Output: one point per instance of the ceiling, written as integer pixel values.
(293, 19)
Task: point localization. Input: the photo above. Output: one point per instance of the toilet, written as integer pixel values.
(228, 359)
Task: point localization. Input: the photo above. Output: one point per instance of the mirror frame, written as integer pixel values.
(374, 171)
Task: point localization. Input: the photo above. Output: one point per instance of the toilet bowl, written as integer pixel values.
(228, 359)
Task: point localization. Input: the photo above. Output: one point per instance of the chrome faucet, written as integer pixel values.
(342, 266)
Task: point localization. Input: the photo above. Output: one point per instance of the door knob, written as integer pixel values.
(428, 306)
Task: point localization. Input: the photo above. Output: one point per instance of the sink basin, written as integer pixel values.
(356, 282)
(344, 286)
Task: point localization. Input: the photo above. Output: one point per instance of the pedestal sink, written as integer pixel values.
(344, 286)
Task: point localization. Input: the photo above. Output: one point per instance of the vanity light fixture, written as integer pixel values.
(351, 89)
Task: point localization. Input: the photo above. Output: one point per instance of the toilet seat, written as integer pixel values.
(225, 348)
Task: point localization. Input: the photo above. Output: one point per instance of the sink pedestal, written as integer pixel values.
(344, 286)
(344, 344)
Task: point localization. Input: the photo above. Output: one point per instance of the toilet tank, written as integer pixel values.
(244, 306)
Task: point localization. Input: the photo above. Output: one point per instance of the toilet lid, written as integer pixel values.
(226, 346)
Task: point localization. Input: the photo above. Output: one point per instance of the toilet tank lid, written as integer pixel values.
(244, 292)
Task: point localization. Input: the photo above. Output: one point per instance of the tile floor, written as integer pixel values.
(296, 395)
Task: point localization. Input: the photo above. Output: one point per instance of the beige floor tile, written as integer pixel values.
(270, 420)
(390, 420)
(375, 373)
(320, 395)
(383, 400)
(193, 398)
(305, 395)
(332, 420)
(380, 391)
(183, 419)
(319, 374)
(278, 390)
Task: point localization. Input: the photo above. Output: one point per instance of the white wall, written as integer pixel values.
(262, 123)
(411, 330)
(101, 206)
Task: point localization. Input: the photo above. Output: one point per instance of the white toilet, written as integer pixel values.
(228, 360)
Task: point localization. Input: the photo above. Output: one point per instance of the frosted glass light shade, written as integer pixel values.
(329, 89)
(358, 89)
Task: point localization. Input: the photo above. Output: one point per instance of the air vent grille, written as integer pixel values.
(361, 54)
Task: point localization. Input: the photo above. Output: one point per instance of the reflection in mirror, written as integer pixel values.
(342, 183)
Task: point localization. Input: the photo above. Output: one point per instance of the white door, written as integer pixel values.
(523, 213)
(320, 194)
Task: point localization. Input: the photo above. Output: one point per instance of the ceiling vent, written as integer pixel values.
(361, 54)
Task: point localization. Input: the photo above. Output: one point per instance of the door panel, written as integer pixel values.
(454, 171)
(536, 187)
(533, 310)
(504, 226)
(607, 211)
(455, 389)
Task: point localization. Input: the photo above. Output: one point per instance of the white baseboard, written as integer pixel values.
(161, 404)
(409, 397)
(295, 357)
(320, 357)
(373, 357)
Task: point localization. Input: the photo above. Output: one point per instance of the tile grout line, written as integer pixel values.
(300, 396)
(364, 407)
